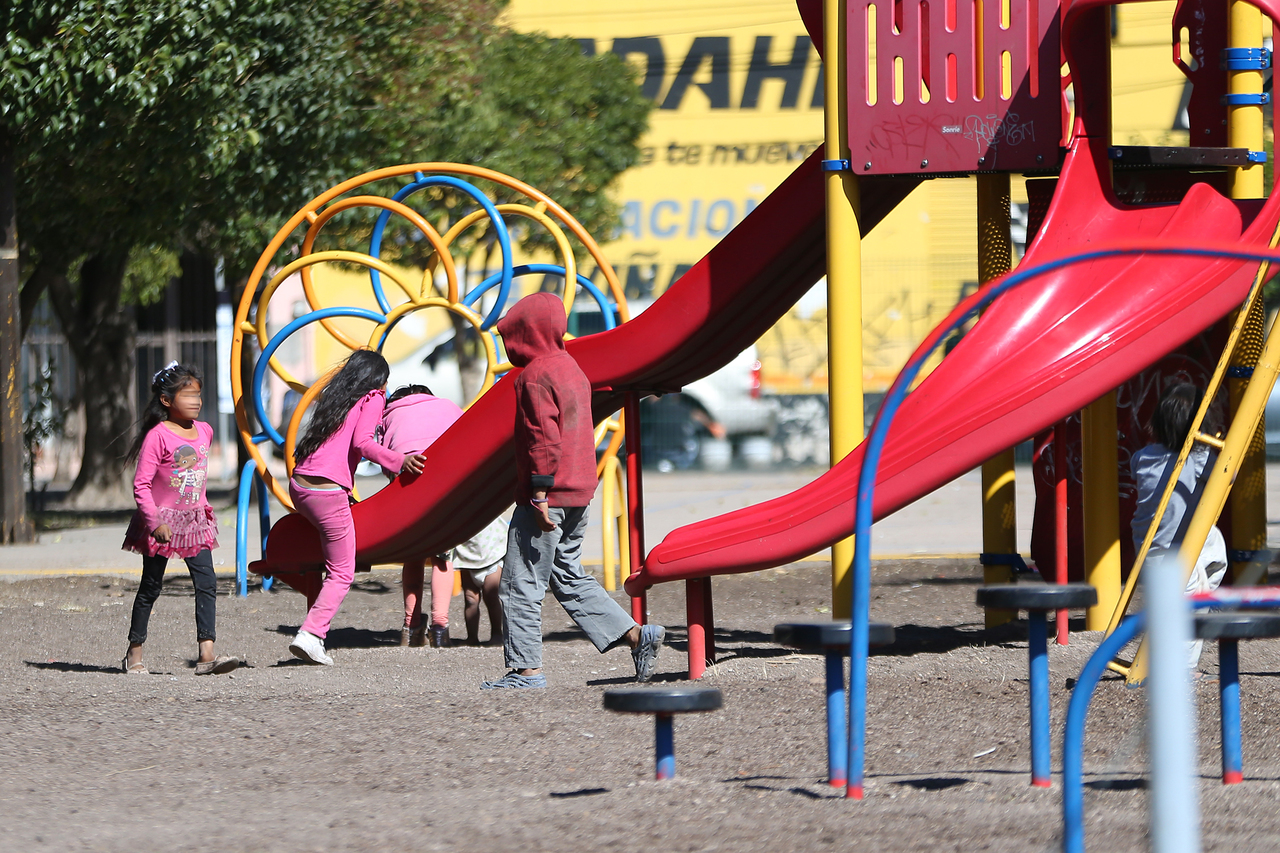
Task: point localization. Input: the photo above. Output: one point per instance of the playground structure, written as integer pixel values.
(437, 288)
(1056, 338)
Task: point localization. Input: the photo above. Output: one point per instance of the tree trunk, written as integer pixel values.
(14, 526)
(101, 333)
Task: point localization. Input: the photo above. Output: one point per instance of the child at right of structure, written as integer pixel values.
(413, 420)
(1152, 467)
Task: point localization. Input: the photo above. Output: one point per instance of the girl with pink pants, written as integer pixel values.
(343, 430)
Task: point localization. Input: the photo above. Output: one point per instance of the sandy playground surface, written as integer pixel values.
(397, 749)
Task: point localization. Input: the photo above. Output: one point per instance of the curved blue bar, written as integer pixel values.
(1073, 735)
(264, 522)
(499, 225)
(247, 474)
(606, 308)
(264, 358)
(874, 444)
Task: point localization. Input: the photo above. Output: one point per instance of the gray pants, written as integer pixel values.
(538, 559)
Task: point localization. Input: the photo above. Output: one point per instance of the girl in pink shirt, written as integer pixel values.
(342, 432)
(414, 419)
(173, 519)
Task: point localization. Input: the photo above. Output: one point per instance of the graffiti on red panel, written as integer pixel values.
(991, 131)
(919, 135)
(908, 134)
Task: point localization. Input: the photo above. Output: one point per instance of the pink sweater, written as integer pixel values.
(336, 459)
(169, 489)
(411, 424)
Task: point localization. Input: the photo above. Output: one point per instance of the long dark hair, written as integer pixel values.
(1177, 408)
(362, 372)
(168, 382)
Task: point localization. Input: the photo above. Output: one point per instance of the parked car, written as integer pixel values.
(729, 397)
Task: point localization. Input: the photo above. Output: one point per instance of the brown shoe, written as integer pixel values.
(418, 636)
(440, 637)
(218, 666)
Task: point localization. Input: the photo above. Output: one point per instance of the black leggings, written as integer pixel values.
(201, 568)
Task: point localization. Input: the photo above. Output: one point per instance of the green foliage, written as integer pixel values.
(135, 120)
(149, 271)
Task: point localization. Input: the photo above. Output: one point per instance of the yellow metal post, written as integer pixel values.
(844, 288)
(1101, 509)
(1244, 130)
(999, 508)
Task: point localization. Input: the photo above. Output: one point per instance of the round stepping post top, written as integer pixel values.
(1237, 625)
(663, 700)
(1037, 596)
(828, 636)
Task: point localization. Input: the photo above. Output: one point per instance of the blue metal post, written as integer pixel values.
(1073, 733)
(664, 746)
(837, 746)
(1229, 706)
(1038, 652)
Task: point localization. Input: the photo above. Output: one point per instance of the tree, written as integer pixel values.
(153, 126)
(126, 117)
(536, 109)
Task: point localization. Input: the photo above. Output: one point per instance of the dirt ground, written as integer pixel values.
(398, 749)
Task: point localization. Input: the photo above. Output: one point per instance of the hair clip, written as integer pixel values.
(162, 371)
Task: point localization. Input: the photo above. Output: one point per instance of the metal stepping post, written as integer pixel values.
(1038, 599)
(832, 640)
(663, 703)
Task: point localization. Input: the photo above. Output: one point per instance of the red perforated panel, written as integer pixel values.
(953, 85)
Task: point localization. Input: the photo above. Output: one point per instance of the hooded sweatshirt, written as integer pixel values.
(411, 424)
(554, 436)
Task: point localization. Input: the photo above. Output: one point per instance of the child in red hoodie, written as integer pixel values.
(556, 479)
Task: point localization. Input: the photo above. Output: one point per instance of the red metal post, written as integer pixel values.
(635, 500)
(1060, 519)
(696, 614)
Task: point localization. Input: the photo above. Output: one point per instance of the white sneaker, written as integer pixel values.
(310, 648)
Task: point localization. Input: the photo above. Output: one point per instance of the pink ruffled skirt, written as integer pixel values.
(194, 530)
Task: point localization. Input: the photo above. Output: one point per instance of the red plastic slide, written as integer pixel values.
(718, 308)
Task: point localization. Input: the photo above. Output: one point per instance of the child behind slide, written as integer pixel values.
(174, 519)
(1153, 465)
(479, 563)
(413, 420)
